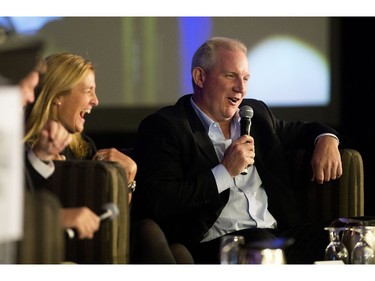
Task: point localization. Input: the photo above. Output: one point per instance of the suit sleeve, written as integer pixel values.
(174, 177)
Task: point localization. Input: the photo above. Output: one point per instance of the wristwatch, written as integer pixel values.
(131, 186)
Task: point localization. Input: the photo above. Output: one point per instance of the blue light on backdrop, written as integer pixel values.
(25, 25)
(299, 73)
(285, 70)
(193, 32)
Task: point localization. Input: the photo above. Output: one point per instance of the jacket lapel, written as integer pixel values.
(200, 135)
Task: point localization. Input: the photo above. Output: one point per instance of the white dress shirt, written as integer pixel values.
(43, 168)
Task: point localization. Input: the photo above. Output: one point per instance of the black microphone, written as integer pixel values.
(246, 113)
(111, 211)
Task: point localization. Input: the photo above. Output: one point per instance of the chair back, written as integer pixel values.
(94, 184)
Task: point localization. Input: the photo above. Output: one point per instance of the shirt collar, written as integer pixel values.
(207, 121)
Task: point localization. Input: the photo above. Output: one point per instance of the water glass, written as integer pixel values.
(362, 252)
(336, 249)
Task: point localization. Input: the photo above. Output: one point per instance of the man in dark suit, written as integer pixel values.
(190, 157)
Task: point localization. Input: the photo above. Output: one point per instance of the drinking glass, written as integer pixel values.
(230, 248)
(336, 249)
(362, 252)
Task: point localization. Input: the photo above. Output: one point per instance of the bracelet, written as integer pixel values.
(131, 186)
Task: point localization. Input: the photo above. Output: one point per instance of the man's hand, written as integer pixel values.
(51, 141)
(239, 155)
(85, 221)
(326, 160)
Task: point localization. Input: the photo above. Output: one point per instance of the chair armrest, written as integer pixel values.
(43, 240)
(343, 197)
(352, 184)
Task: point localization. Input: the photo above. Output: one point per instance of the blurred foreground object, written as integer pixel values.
(18, 55)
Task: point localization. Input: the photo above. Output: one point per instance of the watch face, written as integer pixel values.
(131, 186)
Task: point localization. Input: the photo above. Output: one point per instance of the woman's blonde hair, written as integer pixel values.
(64, 72)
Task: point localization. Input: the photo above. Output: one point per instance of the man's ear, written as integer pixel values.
(199, 76)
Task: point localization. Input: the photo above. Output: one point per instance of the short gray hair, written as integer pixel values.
(204, 56)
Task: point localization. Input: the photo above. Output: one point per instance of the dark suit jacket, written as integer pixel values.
(33, 180)
(175, 185)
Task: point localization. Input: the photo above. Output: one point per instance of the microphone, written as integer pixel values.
(246, 113)
(111, 211)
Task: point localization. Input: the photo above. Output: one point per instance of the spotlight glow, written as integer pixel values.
(285, 71)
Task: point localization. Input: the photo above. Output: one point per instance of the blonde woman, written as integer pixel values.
(66, 93)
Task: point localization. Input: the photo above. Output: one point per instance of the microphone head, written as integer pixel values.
(246, 112)
(111, 209)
